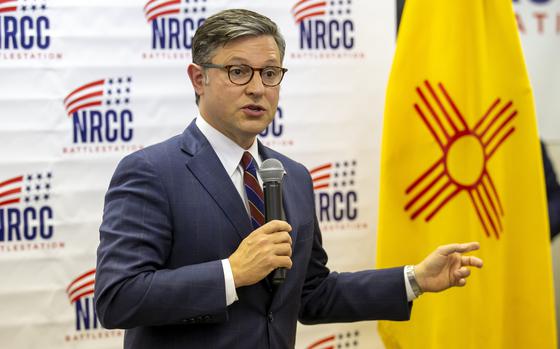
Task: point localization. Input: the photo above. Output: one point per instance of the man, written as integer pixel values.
(184, 251)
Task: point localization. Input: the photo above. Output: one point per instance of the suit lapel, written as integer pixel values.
(209, 171)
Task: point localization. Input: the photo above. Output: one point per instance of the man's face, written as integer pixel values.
(240, 112)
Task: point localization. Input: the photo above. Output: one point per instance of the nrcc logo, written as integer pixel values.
(326, 29)
(25, 30)
(336, 200)
(102, 119)
(80, 294)
(173, 24)
(26, 218)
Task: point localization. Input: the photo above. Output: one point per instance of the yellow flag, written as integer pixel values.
(461, 162)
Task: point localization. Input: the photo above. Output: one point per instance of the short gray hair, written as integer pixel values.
(225, 26)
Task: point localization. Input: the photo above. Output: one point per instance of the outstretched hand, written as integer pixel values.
(447, 267)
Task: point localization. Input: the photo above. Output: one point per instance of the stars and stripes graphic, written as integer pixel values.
(28, 6)
(160, 8)
(102, 92)
(306, 9)
(81, 286)
(333, 175)
(25, 189)
(336, 341)
(444, 179)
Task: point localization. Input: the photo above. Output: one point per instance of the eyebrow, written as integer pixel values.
(270, 62)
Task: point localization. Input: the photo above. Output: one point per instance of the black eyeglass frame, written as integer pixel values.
(227, 67)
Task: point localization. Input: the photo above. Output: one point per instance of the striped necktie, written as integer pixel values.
(253, 189)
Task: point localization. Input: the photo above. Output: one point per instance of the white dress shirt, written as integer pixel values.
(230, 154)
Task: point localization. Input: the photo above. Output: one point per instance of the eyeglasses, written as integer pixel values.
(241, 74)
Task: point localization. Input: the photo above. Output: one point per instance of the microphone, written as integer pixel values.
(271, 172)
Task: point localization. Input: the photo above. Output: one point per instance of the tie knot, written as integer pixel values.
(247, 161)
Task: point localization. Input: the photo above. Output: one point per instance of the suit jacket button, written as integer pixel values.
(270, 317)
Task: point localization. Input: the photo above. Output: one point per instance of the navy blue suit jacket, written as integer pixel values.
(552, 194)
(172, 213)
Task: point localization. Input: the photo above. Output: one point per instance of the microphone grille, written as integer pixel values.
(271, 170)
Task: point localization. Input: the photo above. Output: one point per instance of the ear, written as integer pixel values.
(196, 74)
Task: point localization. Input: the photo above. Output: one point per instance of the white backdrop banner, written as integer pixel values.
(83, 83)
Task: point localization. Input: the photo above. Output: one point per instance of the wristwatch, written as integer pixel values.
(411, 276)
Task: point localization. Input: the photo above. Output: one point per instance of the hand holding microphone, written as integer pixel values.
(267, 249)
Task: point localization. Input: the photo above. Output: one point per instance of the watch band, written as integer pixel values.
(411, 276)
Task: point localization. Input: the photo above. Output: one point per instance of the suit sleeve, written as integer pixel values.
(552, 194)
(133, 286)
(346, 297)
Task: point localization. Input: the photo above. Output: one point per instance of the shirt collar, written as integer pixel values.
(228, 151)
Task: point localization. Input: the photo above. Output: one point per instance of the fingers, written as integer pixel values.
(471, 261)
(275, 226)
(280, 237)
(462, 273)
(446, 250)
(283, 262)
(283, 249)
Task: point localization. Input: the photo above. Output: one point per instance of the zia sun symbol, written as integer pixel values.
(454, 172)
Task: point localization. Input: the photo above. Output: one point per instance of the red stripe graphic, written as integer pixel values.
(81, 88)
(305, 9)
(164, 13)
(158, 8)
(9, 202)
(320, 168)
(83, 294)
(85, 96)
(298, 4)
(312, 6)
(321, 176)
(340, 340)
(82, 286)
(164, 4)
(87, 284)
(83, 106)
(10, 181)
(8, 6)
(8, 9)
(149, 3)
(81, 277)
(11, 190)
(321, 341)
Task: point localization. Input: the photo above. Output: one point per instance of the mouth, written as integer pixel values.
(254, 110)
(254, 107)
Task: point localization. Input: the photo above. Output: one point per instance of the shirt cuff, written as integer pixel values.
(231, 294)
(409, 292)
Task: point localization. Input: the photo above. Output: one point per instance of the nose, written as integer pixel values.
(255, 85)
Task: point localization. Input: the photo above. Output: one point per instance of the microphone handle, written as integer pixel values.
(273, 210)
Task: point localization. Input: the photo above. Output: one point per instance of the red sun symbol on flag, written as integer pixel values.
(454, 173)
